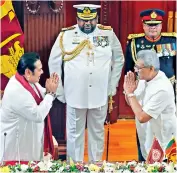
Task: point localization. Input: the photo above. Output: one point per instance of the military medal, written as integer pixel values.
(153, 47)
(100, 41)
(142, 46)
(173, 49)
(148, 46)
(169, 48)
(159, 50)
(95, 41)
(105, 41)
(76, 39)
(164, 50)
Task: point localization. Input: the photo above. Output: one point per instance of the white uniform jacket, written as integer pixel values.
(94, 73)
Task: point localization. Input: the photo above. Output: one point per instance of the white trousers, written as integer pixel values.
(75, 127)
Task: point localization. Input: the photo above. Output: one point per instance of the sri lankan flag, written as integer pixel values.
(11, 44)
(170, 151)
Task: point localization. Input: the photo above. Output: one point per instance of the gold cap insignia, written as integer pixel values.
(86, 10)
(153, 15)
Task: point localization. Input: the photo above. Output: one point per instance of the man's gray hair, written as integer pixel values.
(149, 57)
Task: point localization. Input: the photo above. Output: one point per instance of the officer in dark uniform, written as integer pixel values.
(152, 38)
(163, 43)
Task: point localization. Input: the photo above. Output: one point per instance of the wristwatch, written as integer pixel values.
(52, 94)
(130, 95)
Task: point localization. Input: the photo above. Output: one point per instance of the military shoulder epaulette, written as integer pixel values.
(104, 27)
(131, 36)
(68, 28)
(169, 34)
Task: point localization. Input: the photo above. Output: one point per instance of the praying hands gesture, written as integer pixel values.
(52, 83)
(130, 84)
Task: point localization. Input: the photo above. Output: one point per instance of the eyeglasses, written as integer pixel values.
(136, 67)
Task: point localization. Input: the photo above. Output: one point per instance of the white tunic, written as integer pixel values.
(157, 100)
(88, 80)
(23, 121)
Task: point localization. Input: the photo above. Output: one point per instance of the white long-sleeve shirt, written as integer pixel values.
(157, 100)
(23, 121)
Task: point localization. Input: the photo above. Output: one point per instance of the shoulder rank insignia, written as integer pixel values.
(104, 27)
(131, 36)
(68, 28)
(169, 34)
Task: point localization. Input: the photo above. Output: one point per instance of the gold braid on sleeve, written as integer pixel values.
(133, 50)
(75, 51)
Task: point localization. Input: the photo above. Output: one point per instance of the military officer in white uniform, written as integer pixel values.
(93, 61)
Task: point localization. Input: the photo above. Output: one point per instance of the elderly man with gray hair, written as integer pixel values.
(152, 100)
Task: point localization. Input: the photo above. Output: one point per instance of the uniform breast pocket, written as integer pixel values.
(105, 52)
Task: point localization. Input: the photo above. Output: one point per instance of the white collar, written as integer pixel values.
(159, 74)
